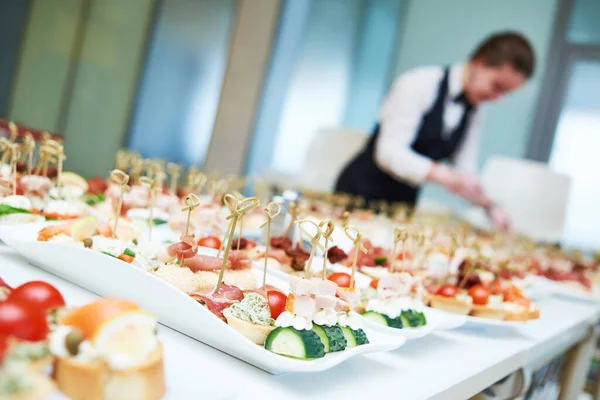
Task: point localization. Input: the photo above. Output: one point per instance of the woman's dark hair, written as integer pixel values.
(507, 48)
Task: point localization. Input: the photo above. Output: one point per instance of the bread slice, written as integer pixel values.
(255, 332)
(488, 312)
(96, 381)
(42, 388)
(450, 304)
(522, 315)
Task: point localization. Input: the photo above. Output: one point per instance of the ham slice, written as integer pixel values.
(279, 255)
(202, 262)
(263, 290)
(218, 301)
(187, 248)
(239, 260)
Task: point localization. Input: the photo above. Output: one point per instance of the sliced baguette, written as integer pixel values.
(96, 381)
(488, 312)
(450, 304)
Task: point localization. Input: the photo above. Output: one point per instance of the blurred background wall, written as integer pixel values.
(245, 86)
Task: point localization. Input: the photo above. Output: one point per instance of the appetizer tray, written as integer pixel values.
(111, 277)
(564, 289)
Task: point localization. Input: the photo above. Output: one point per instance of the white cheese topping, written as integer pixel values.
(144, 214)
(287, 319)
(17, 201)
(349, 320)
(326, 316)
(64, 207)
(111, 246)
(392, 307)
(66, 240)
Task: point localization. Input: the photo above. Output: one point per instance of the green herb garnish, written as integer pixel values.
(129, 252)
(158, 221)
(6, 210)
(380, 260)
(108, 254)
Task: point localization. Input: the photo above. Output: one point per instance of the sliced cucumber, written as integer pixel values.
(382, 319)
(319, 330)
(395, 322)
(376, 317)
(360, 336)
(405, 319)
(422, 319)
(294, 343)
(350, 339)
(354, 337)
(337, 340)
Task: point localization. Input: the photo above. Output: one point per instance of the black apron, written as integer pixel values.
(362, 177)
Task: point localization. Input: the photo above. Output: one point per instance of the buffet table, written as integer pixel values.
(454, 364)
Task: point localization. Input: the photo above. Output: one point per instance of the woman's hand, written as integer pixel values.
(499, 218)
(464, 185)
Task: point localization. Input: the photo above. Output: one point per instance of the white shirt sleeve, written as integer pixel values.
(412, 95)
(465, 159)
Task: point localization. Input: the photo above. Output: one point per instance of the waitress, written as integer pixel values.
(432, 114)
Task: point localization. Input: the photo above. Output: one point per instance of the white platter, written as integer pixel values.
(108, 276)
(565, 290)
(468, 319)
(435, 321)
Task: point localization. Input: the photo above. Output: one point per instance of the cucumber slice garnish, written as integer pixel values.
(337, 340)
(291, 342)
(320, 331)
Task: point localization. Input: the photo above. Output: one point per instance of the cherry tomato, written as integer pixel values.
(40, 295)
(498, 287)
(210, 241)
(22, 321)
(341, 278)
(480, 294)
(277, 302)
(127, 258)
(513, 297)
(447, 291)
(3, 346)
(374, 283)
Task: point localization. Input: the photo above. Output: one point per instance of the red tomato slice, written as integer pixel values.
(126, 258)
(277, 302)
(210, 241)
(38, 294)
(374, 283)
(23, 321)
(480, 294)
(341, 278)
(447, 291)
(3, 346)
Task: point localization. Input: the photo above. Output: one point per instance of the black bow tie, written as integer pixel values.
(462, 99)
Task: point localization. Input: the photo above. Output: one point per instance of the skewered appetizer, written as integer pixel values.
(108, 350)
(396, 302)
(309, 323)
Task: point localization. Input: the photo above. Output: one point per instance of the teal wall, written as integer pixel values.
(443, 32)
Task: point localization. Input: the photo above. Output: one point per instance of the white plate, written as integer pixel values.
(564, 289)
(110, 277)
(435, 321)
(482, 321)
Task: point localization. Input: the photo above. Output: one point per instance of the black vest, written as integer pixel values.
(362, 176)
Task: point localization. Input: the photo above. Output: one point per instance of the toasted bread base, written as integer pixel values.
(487, 312)
(525, 315)
(96, 381)
(256, 333)
(450, 304)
